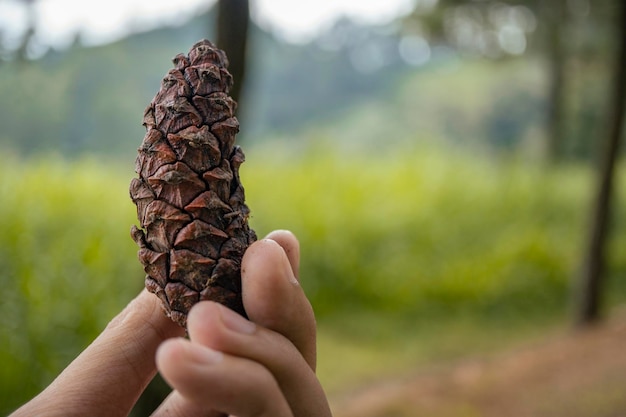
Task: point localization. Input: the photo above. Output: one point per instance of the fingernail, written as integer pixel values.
(285, 265)
(236, 322)
(204, 355)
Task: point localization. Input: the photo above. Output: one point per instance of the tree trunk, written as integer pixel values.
(588, 304)
(233, 17)
(22, 50)
(554, 19)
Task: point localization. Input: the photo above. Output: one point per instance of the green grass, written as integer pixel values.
(408, 256)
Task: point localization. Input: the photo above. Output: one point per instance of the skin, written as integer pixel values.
(260, 367)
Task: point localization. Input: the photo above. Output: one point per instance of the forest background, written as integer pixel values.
(446, 174)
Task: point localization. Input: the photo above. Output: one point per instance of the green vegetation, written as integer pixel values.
(427, 233)
(90, 99)
(408, 255)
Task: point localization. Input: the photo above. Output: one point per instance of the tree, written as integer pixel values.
(20, 51)
(553, 15)
(483, 27)
(233, 19)
(588, 302)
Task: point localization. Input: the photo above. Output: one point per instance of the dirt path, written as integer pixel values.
(580, 374)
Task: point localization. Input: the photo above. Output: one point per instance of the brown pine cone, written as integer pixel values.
(190, 201)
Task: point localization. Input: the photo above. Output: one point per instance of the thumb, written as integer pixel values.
(273, 297)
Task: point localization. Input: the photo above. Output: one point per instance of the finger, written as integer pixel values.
(274, 298)
(221, 329)
(108, 377)
(290, 245)
(212, 380)
(175, 405)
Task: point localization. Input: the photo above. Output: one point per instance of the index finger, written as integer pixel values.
(108, 376)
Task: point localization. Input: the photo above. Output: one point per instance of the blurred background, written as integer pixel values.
(452, 168)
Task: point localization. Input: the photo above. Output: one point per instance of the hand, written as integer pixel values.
(229, 365)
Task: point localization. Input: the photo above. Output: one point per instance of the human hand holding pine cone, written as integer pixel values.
(229, 366)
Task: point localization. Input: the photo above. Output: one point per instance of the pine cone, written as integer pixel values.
(189, 198)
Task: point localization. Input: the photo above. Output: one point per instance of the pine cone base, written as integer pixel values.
(189, 197)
